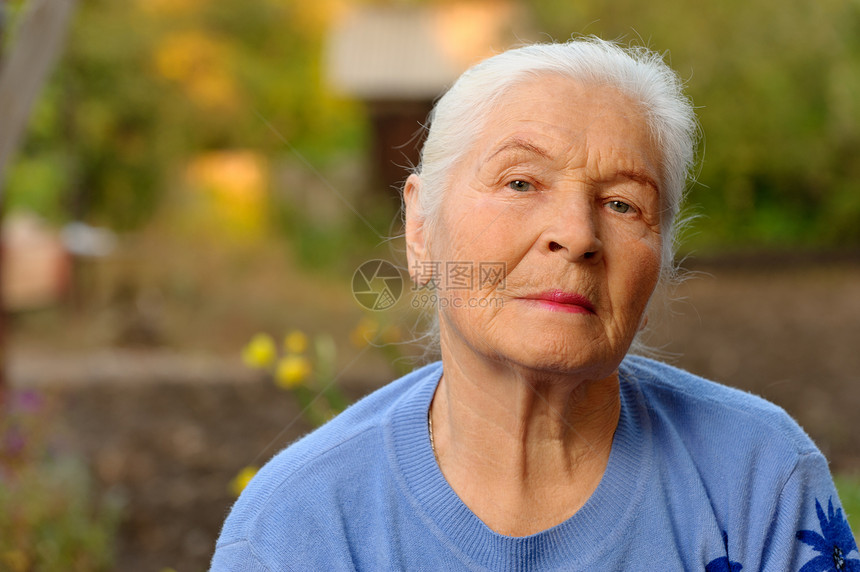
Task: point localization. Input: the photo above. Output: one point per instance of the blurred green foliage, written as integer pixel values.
(145, 85)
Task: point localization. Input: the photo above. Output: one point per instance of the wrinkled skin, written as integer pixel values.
(584, 218)
(562, 187)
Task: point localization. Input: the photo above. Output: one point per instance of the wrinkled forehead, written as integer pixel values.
(567, 120)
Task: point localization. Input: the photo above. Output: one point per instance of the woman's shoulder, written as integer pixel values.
(363, 417)
(305, 478)
(730, 457)
(698, 404)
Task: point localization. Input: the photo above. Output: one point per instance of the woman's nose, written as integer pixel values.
(574, 233)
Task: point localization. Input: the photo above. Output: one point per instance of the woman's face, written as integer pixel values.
(561, 191)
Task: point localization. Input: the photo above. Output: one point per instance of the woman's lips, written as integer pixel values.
(561, 301)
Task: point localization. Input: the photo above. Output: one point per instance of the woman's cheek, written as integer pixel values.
(637, 231)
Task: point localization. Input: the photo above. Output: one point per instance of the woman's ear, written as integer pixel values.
(416, 242)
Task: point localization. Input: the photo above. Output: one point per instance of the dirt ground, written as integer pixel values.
(168, 431)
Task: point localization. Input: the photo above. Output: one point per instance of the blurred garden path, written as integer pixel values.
(33, 367)
(167, 431)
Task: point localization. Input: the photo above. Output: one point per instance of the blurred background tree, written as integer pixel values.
(147, 86)
(212, 130)
(206, 137)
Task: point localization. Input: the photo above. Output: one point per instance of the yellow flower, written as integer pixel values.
(292, 371)
(240, 481)
(260, 352)
(364, 332)
(296, 342)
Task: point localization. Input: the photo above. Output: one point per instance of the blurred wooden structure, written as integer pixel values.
(23, 71)
(398, 59)
(36, 264)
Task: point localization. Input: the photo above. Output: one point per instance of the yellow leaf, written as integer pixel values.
(200, 63)
(17, 560)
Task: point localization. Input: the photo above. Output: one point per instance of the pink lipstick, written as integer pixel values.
(561, 301)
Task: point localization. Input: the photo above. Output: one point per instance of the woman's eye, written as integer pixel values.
(520, 186)
(619, 206)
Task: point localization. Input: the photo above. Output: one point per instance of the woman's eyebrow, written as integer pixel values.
(640, 177)
(519, 144)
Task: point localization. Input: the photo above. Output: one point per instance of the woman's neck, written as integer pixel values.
(524, 450)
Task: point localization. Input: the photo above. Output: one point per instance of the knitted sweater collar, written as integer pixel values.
(597, 527)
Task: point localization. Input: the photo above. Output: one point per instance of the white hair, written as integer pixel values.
(459, 116)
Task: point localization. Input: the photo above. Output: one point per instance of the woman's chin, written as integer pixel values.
(536, 340)
(570, 368)
(560, 357)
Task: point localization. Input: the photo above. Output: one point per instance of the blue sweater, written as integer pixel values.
(700, 477)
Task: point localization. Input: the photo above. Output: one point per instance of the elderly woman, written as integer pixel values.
(553, 174)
